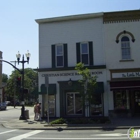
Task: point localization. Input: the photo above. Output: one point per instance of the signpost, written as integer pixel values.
(47, 86)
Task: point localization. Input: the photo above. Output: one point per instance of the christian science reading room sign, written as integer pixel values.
(70, 74)
(126, 75)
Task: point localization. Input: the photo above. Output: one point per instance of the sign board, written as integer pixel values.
(46, 80)
(126, 75)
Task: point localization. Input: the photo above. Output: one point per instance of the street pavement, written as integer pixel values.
(30, 124)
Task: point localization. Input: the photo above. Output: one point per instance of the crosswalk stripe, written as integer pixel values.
(34, 138)
(23, 136)
(112, 134)
(8, 131)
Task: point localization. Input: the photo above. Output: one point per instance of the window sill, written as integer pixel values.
(125, 60)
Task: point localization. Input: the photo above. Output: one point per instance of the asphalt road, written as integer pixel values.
(15, 134)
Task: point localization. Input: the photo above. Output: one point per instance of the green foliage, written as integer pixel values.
(96, 120)
(4, 78)
(30, 83)
(58, 121)
(88, 82)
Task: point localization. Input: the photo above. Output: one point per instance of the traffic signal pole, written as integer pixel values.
(22, 117)
(14, 83)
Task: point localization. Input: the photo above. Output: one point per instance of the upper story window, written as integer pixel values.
(59, 55)
(125, 47)
(84, 52)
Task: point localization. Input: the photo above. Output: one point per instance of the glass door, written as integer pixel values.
(73, 104)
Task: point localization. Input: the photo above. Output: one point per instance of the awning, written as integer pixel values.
(51, 89)
(116, 85)
(99, 88)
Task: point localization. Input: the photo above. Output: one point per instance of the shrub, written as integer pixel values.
(58, 121)
(100, 120)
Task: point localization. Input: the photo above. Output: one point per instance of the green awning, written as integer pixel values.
(51, 89)
(99, 88)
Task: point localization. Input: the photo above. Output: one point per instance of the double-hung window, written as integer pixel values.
(59, 55)
(125, 47)
(84, 53)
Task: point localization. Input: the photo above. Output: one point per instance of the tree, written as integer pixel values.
(30, 77)
(4, 78)
(88, 82)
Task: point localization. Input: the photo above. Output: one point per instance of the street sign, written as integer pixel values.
(46, 81)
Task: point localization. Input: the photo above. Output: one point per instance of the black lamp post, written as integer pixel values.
(23, 117)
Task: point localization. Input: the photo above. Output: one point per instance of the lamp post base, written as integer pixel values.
(22, 117)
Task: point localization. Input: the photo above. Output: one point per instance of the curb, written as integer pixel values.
(65, 127)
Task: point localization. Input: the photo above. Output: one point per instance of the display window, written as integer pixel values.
(121, 100)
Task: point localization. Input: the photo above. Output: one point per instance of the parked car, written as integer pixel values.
(8, 103)
(3, 106)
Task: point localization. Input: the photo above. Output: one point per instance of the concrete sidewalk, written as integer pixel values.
(30, 124)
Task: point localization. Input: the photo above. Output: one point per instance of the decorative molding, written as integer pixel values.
(123, 16)
(125, 32)
(68, 68)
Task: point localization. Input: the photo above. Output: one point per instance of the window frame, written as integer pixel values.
(56, 47)
(84, 53)
(127, 47)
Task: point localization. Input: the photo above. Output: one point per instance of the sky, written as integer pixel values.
(19, 31)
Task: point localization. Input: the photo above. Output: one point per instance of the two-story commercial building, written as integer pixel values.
(122, 47)
(107, 44)
(64, 42)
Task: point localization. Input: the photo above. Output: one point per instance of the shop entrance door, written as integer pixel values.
(137, 101)
(73, 103)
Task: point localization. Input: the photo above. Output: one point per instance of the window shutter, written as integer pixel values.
(90, 53)
(78, 52)
(53, 56)
(65, 56)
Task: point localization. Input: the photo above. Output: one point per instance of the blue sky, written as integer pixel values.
(19, 31)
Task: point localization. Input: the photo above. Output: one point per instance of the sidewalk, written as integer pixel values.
(30, 124)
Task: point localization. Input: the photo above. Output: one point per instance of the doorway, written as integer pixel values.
(137, 101)
(73, 104)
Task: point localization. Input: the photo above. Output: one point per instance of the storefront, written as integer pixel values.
(125, 86)
(65, 98)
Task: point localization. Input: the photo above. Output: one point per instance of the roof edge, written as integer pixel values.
(72, 17)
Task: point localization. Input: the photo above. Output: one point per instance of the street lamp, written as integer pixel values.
(22, 117)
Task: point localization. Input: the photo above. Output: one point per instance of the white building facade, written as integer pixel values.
(107, 45)
(122, 45)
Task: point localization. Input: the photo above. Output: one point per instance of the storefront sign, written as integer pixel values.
(70, 74)
(126, 75)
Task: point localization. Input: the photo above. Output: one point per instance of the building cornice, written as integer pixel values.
(68, 68)
(67, 18)
(121, 16)
(125, 70)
